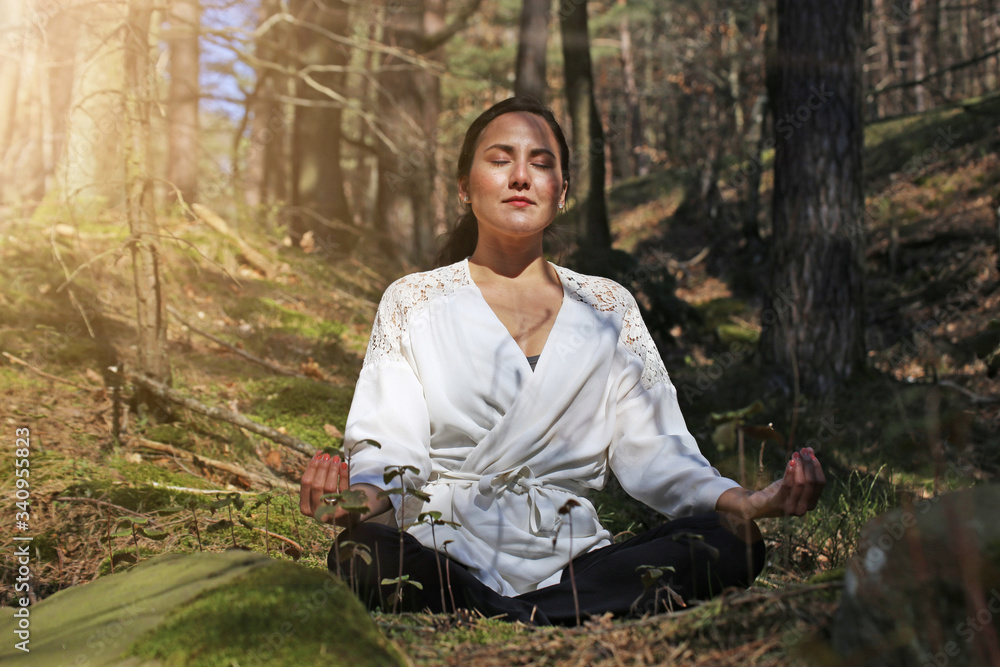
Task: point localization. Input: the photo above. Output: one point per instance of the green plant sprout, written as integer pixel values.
(650, 575)
(731, 428)
(265, 500)
(565, 511)
(433, 519)
(391, 473)
(228, 501)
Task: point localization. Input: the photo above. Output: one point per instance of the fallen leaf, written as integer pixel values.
(332, 431)
(273, 459)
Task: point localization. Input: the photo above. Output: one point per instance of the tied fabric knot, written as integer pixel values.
(521, 481)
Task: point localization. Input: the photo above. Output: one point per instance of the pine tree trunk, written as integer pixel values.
(182, 117)
(918, 44)
(11, 14)
(639, 157)
(151, 325)
(814, 314)
(319, 200)
(591, 214)
(530, 79)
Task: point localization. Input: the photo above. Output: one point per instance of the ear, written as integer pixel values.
(565, 193)
(463, 188)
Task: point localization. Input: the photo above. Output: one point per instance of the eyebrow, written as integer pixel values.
(510, 149)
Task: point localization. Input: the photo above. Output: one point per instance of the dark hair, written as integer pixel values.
(461, 242)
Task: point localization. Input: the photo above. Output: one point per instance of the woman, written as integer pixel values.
(504, 388)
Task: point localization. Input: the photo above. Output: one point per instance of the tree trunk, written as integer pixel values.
(813, 317)
(182, 116)
(319, 200)
(639, 157)
(918, 44)
(409, 97)
(591, 213)
(530, 79)
(11, 14)
(138, 88)
(267, 155)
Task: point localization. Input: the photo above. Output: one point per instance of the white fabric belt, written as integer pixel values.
(521, 481)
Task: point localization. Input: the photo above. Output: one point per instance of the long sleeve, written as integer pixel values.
(388, 406)
(653, 454)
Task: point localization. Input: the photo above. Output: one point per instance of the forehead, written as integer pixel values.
(519, 128)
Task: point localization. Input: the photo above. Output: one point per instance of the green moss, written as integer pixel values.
(719, 311)
(302, 407)
(172, 434)
(141, 498)
(281, 614)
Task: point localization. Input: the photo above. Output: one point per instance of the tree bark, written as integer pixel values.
(267, 155)
(182, 117)
(639, 157)
(409, 99)
(813, 316)
(151, 326)
(590, 212)
(530, 79)
(319, 197)
(11, 14)
(918, 43)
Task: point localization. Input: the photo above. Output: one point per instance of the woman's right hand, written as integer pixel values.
(328, 474)
(323, 475)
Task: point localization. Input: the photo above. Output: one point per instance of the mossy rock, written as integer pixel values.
(235, 607)
(922, 588)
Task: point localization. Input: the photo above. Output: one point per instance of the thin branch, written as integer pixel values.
(933, 75)
(270, 365)
(206, 492)
(282, 538)
(978, 399)
(163, 391)
(231, 468)
(38, 371)
(102, 503)
(65, 269)
(461, 20)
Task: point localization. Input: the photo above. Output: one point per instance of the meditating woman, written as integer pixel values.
(504, 389)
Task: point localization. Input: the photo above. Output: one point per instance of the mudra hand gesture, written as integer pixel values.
(794, 494)
(327, 474)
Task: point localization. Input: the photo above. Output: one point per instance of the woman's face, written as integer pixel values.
(515, 183)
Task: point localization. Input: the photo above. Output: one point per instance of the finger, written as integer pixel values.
(345, 477)
(305, 487)
(808, 499)
(797, 482)
(319, 483)
(332, 482)
(819, 479)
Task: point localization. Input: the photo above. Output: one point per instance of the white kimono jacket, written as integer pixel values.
(501, 448)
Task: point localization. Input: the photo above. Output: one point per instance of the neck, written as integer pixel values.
(521, 259)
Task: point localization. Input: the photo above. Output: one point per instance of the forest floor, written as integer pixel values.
(922, 420)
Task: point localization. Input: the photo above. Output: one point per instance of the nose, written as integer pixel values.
(519, 176)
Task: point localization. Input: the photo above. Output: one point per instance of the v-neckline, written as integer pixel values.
(555, 322)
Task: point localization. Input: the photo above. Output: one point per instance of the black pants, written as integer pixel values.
(697, 558)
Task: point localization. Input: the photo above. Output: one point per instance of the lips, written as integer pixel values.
(518, 201)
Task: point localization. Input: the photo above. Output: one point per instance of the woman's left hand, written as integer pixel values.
(794, 494)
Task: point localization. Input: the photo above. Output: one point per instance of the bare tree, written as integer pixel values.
(138, 89)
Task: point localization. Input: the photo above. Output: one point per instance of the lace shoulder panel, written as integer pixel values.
(401, 301)
(605, 295)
